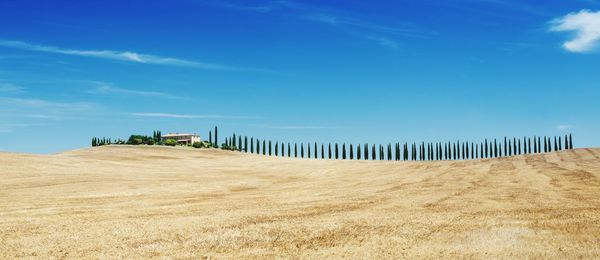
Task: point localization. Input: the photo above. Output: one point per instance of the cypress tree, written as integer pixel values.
(519, 146)
(316, 157)
(366, 151)
(240, 143)
(246, 144)
(210, 138)
(555, 144)
(308, 150)
(344, 151)
(351, 152)
(234, 141)
(289, 150)
(529, 145)
(337, 151)
(373, 154)
(559, 143)
(258, 146)
(566, 143)
(570, 141)
(276, 148)
(264, 147)
(301, 150)
(329, 150)
(269, 147)
(389, 152)
(495, 148)
(295, 150)
(505, 151)
(322, 151)
(252, 145)
(216, 137)
(381, 156)
(282, 149)
(358, 152)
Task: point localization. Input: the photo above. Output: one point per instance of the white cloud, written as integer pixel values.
(585, 24)
(564, 127)
(117, 55)
(43, 109)
(107, 89)
(294, 127)
(10, 88)
(186, 116)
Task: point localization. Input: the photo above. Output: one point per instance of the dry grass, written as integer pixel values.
(126, 202)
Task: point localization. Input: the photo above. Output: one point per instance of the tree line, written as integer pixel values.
(424, 151)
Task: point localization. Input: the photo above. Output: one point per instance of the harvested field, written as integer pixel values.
(139, 202)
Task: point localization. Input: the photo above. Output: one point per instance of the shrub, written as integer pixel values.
(170, 142)
(198, 145)
(150, 142)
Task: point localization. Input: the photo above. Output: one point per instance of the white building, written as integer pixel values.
(183, 138)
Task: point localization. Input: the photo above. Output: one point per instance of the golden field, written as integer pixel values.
(140, 202)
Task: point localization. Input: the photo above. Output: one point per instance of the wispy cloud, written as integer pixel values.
(11, 88)
(105, 89)
(378, 33)
(188, 116)
(564, 127)
(127, 56)
(43, 109)
(586, 26)
(11, 127)
(294, 127)
(266, 7)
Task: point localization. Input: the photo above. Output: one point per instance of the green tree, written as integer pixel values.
(337, 151)
(270, 147)
(216, 137)
(296, 150)
(344, 151)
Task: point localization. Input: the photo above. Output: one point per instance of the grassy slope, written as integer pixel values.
(153, 201)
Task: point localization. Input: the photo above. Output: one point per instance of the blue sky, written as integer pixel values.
(324, 71)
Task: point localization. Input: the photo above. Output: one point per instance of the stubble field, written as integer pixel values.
(139, 202)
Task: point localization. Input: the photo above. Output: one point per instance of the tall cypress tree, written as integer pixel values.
(210, 138)
(329, 150)
(555, 144)
(252, 145)
(358, 152)
(519, 146)
(351, 152)
(366, 151)
(373, 154)
(316, 157)
(570, 141)
(270, 147)
(322, 151)
(559, 144)
(566, 143)
(276, 148)
(337, 151)
(301, 150)
(282, 149)
(529, 145)
(246, 144)
(216, 137)
(295, 150)
(308, 150)
(258, 146)
(289, 150)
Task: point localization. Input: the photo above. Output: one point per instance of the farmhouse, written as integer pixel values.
(182, 138)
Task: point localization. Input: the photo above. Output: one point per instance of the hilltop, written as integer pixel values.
(128, 202)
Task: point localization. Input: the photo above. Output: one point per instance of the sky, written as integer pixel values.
(298, 71)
